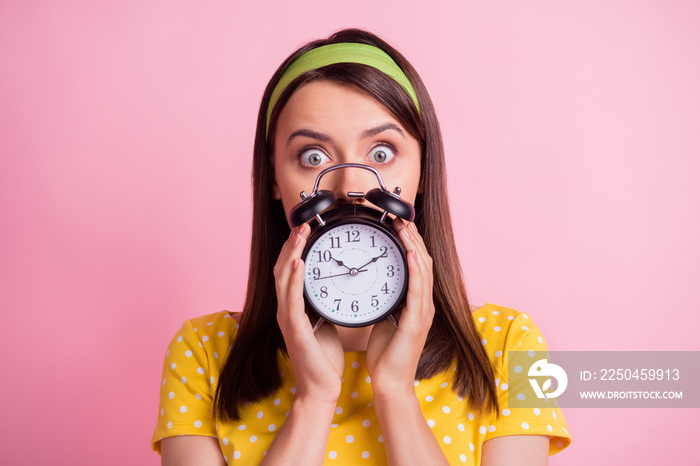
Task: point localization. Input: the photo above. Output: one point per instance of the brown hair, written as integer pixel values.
(251, 371)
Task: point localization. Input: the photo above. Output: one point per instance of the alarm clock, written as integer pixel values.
(356, 271)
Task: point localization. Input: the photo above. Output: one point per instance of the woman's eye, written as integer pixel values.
(381, 154)
(313, 158)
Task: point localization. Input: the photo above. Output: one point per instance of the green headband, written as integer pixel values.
(340, 53)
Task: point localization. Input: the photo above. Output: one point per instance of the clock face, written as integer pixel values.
(355, 272)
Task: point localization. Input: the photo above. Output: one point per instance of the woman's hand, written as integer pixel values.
(317, 360)
(393, 353)
(317, 357)
(392, 359)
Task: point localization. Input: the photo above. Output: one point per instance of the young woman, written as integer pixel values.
(262, 387)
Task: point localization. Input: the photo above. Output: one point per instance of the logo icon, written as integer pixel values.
(542, 368)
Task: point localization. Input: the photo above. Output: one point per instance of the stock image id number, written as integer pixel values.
(630, 374)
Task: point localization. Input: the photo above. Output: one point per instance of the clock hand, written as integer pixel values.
(341, 274)
(340, 263)
(374, 259)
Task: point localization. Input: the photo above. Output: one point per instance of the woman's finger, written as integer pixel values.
(399, 224)
(295, 297)
(289, 277)
(419, 311)
(412, 242)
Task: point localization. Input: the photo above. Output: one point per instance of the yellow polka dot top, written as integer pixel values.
(197, 353)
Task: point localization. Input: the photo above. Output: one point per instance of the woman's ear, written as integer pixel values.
(276, 191)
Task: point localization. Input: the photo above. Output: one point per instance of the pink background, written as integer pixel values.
(125, 146)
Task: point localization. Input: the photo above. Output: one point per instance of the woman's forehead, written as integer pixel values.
(334, 106)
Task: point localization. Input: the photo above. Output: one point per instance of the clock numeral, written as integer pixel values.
(335, 242)
(385, 288)
(337, 304)
(324, 292)
(372, 238)
(384, 250)
(375, 301)
(389, 270)
(324, 256)
(353, 236)
(354, 306)
(317, 273)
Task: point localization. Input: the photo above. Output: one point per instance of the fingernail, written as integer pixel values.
(295, 264)
(297, 239)
(412, 226)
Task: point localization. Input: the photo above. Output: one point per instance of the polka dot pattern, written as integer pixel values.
(192, 366)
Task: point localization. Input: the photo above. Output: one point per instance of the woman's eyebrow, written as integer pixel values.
(323, 137)
(385, 127)
(309, 133)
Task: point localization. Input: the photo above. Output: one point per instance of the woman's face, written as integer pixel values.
(327, 123)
